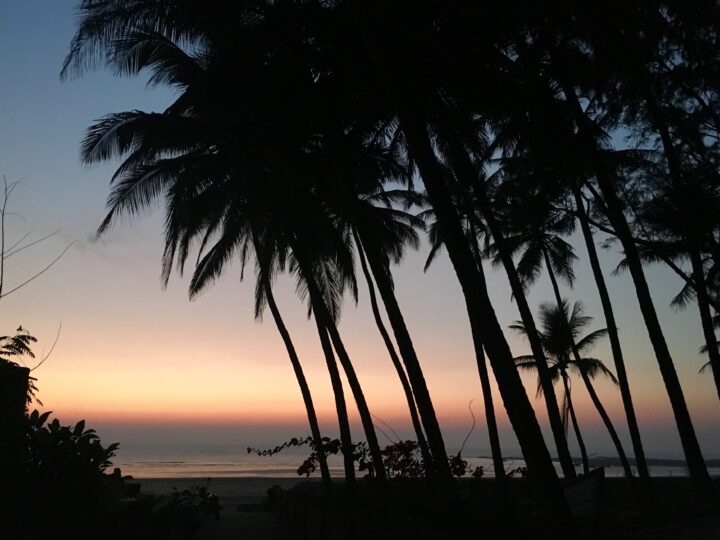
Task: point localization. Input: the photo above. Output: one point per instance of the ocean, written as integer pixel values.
(233, 461)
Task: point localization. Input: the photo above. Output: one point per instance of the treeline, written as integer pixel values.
(308, 134)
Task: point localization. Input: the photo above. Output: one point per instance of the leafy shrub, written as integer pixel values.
(402, 459)
(58, 453)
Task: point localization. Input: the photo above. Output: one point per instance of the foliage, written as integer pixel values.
(67, 492)
(17, 346)
(58, 453)
(401, 459)
(196, 501)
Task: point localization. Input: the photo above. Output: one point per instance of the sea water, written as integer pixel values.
(231, 460)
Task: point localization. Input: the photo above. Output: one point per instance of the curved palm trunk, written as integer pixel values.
(702, 482)
(326, 321)
(588, 384)
(323, 315)
(706, 316)
(608, 424)
(348, 450)
(422, 443)
(485, 328)
(304, 387)
(490, 419)
(363, 410)
(467, 173)
(640, 461)
(659, 121)
(440, 462)
(536, 347)
(576, 426)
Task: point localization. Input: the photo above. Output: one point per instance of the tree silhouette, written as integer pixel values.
(560, 347)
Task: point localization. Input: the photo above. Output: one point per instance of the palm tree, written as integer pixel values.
(396, 92)
(474, 181)
(381, 233)
(691, 239)
(558, 345)
(538, 236)
(397, 363)
(183, 152)
(640, 461)
(472, 229)
(562, 58)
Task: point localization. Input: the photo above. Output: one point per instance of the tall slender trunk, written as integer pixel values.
(576, 426)
(536, 347)
(485, 328)
(706, 315)
(304, 387)
(608, 424)
(407, 389)
(621, 372)
(358, 394)
(673, 159)
(325, 319)
(588, 384)
(346, 443)
(466, 172)
(490, 420)
(702, 482)
(425, 406)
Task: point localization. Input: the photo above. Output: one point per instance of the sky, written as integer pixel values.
(144, 364)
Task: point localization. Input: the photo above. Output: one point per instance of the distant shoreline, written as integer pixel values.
(606, 461)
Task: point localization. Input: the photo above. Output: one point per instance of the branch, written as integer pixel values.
(40, 273)
(12, 252)
(45, 357)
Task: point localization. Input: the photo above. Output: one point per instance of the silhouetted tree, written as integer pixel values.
(559, 343)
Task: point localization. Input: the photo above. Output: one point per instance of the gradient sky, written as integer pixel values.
(144, 364)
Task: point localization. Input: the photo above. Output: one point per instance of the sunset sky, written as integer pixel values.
(144, 363)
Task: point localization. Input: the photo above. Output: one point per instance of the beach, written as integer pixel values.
(244, 516)
(240, 498)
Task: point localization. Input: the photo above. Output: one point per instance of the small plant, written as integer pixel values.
(197, 501)
(403, 460)
(60, 455)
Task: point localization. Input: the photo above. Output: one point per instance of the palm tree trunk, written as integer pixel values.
(490, 420)
(485, 328)
(702, 482)
(325, 320)
(304, 387)
(346, 443)
(576, 426)
(441, 466)
(608, 424)
(467, 173)
(659, 121)
(640, 461)
(588, 384)
(535, 344)
(706, 315)
(412, 407)
(363, 409)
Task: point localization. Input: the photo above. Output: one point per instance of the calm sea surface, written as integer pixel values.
(205, 461)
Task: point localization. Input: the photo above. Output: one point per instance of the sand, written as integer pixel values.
(241, 516)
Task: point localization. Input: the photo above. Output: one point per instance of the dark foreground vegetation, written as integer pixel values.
(65, 492)
(410, 509)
